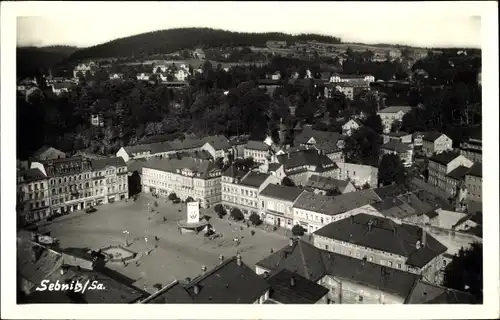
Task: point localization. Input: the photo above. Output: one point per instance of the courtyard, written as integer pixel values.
(163, 254)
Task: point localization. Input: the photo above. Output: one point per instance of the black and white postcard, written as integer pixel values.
(249, 159)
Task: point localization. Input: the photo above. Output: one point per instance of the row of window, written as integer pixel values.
(246, 192)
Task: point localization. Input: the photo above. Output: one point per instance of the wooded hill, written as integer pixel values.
(172, 40)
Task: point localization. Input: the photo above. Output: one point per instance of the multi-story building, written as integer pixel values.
(258, 150)
(110, 178)
(403, 151)
(401, 137)
(70, 183)
(351, 126)
(229, 282)
(217, 146)
(48, 153)
(276, 204)
(351, 77)
(314, 211)
(455, 183)
(324, 185)
(33, 202)
(348, 280)
(474, 182)
(472, 149)
(358, 174)
(186, 177)
(392, 114)
(435, 142)
(240, 189)
(301, 165)
(84, 68)
(442, 164)
(382, 241)
(330, 143)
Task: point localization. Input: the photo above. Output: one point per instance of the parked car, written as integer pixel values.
(90, 210)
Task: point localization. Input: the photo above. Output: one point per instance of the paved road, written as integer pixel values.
(177, 256)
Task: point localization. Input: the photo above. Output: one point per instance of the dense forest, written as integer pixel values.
(172, 40)
(35, 60)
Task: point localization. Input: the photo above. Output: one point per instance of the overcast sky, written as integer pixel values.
(91, 24)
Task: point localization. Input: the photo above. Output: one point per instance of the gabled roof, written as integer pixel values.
(100, 164)
(273, 166)
(391, 190)
(31, 175)
(385, 235)
(395, 109)
(256, 145)
(326, 183)
(444, 157)
(476, 170)
(48, 150)
(395, 145)
(254, 179)
(171, 293)
(396, 134)
(431, 136)
(335, 205)
(290, 288)
(281, 192)
(228, 283)
(218, 142)
(426, 293)
(312, 263)
(136, 165)
(326, 141)
(458, 173)
(309, 157)
(233, 172)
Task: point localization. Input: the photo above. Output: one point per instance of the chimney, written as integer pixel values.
(290, 243)
(292, 281)
(394, 231)
(352, 219)
(196, 289)
(424, 238)
(238, 260)
(62, 270)
(370, 226)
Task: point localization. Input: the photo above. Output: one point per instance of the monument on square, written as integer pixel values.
(193, 222)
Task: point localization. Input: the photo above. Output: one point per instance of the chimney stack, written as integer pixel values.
(291, 242)
(238, 260)
(424, 238)
(292, 281)
(196, 289)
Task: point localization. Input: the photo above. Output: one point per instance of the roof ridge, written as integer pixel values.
(210, 272)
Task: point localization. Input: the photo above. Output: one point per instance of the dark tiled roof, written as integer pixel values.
(395, 145)
(396, 134)
(36, 262)
(31, 175)
(385, 235)
(474, 206)
(256, 145)
(430, 192)
(61, 85)
(432, 214)
(309, 157)
(136, 165)
(302, 291)
(337, 204)
(458, 173)
(444, 157)
(274, 166)
(228, 283)
(326, 141)
(202, 167)
(313, 263)
(218, 142)
(431, 136)
(172, 293)
(118, 288)
(391, 190)
(426, 293)
(254, 179)
(476, 170)
(233, 172)
(44, 149)
(281, 192)
(325, 183)
(101, 164)
(301, 258)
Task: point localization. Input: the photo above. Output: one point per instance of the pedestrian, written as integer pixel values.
(164, 219)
